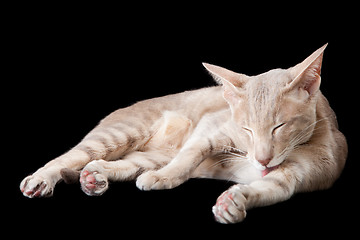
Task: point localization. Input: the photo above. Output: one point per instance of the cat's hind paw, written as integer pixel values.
(35, 186)
(93, 183)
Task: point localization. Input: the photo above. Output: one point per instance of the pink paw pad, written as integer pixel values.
(223, 200)
(93, 183)
(230, 207)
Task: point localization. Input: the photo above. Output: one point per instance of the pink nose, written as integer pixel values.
(264, 162)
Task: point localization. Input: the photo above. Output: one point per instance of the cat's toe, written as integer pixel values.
(93, 183)
(35, 186)
(230, 207)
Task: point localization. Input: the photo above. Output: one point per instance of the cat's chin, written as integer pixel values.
(257, 165)
(265, 170)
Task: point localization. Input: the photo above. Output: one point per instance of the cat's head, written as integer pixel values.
(275, 111)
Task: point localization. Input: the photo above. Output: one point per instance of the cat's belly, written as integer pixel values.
(239, 171)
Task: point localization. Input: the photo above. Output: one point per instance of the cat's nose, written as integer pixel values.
(264, 161)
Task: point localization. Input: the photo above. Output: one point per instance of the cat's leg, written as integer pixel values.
(96, 174)
(303, 171)
(180, 169)
(42, 182)
(104, 142)
(231, 206)
(277, 186)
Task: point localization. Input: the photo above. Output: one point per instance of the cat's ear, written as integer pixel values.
(306, 75)
(220, 73)
(230, 81)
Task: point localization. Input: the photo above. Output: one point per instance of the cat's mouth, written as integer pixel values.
(268, 170)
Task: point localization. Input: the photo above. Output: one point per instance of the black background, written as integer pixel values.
(70, 66)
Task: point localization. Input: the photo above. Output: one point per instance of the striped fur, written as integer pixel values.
(273, 134)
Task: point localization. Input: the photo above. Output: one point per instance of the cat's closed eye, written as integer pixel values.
(277, 128)
(248, 130)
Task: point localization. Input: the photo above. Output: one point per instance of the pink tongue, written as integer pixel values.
(267, 170)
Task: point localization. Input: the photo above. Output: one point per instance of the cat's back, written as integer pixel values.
(329, 130)
(192, 104)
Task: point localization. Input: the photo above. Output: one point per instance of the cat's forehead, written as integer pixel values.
(264, 92)
(268, 85)
(271, 79)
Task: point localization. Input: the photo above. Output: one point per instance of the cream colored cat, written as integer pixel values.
(273, 134)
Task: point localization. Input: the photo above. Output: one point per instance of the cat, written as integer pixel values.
(273, 134)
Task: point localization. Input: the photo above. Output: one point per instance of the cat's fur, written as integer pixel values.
(273, 134)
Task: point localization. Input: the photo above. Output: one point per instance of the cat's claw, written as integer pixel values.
(93, 183)
(35, 186)
(230, 206)
(152, 180)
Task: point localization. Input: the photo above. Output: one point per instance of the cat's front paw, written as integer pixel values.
(230, 206)
(153, 180)
(36, 186)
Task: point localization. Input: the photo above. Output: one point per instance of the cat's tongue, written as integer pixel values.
(267, 170)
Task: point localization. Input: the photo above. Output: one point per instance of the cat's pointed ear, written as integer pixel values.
(306, 75)
(230, 81)
(220, 73)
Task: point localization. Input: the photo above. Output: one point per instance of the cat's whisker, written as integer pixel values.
(299, 138)
(223, 161)
(230, 157)
(238, 156)
(234, 169)
(304, 133)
